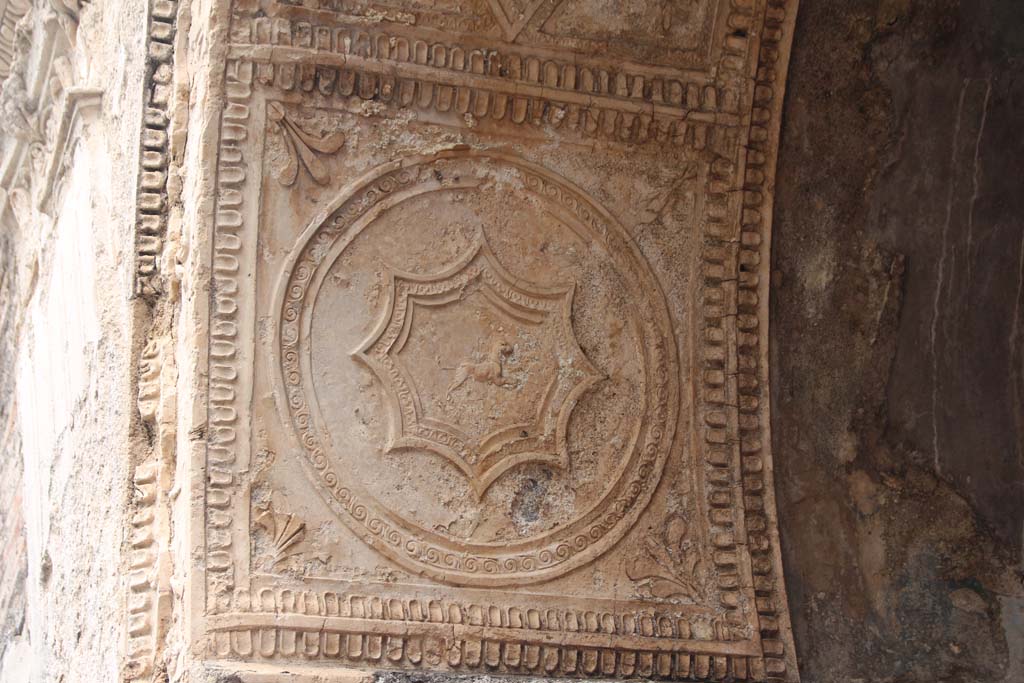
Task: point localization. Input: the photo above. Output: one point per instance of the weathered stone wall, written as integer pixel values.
(66, 353)
(13, 558)
(896, 346)
(897, 340)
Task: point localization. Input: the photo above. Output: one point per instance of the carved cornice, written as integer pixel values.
(149, 564)
(149, 601)
(632, 104)
(11, 12)
(752, 305)
(41, 101)
(151, 205)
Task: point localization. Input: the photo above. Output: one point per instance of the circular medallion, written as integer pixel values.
(479, 367)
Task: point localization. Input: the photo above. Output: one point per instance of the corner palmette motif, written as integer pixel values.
(287, 536)
(489, 317)
(537, 398)
(301, 148)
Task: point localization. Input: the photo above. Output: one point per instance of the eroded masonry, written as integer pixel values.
(456, 357)
(486, 340)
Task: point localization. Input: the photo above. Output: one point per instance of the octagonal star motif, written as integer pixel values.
(479, 366)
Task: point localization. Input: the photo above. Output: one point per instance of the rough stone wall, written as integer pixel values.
(896, 339)
(13, 558)
(897, 382)
(65, 318)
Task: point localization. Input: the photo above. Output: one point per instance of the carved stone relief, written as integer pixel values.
(486, 339)
(43, 102)
(11, 12)
(152, 209)
(149, 561)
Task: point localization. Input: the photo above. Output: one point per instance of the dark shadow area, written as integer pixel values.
(898, 340)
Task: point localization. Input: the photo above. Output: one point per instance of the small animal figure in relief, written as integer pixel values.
(490, 370)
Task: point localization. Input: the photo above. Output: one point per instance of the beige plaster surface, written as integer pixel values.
(417, 341)
(70, 261)
(400, 336)
(482, 363)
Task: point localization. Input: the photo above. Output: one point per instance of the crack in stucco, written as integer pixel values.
(936, 451)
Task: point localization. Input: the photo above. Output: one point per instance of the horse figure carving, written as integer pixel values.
(489, 371)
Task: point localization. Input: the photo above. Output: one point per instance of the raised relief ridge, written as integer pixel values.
(451, 562)
(734, 296)
(481, 564)
(683, 536)
(151, 217)
(11, 12)
(542, 318)
(670, 35)
(149, 559)
(286, 534)
(143, 579)
(498, 84)
(225, 401)
(432, 633)
(44, 105)
(759, 502)
(302, 148)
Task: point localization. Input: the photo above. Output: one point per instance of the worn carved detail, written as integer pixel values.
(150, 367)
(286, 532)
(143, 614)
(507, 352)
(302, 147)
(149, 558)
(759, 503)
(643, 458)
(670, 563)
(657, 204)
(223, 444)
(151, 218)
(43, 106)
(513, 16)
(499, 84)
(367, 630)
(11, 12)
(17, 112)
(157, 370)
(552, 370)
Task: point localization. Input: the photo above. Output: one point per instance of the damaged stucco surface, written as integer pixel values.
(896, 356)
(896, 340)
(65, 284)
